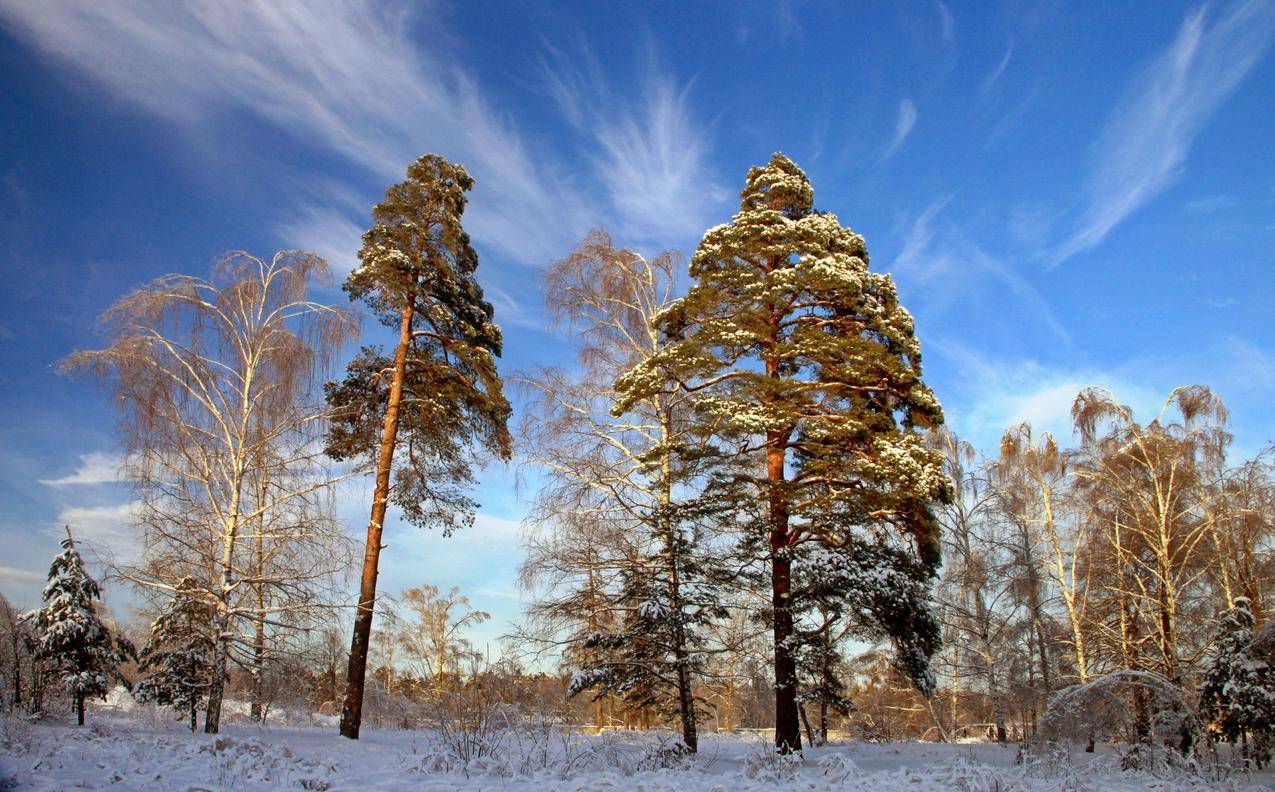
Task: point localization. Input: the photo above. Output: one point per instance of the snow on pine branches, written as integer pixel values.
(799, 356)
(70, 635)
(178, 658)
(1237, 695)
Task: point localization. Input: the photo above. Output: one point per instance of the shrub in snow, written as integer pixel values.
(1141, 708)
(384, 710)
(838, 768)
(667, 754)
(471, 728)
(15, 732)
(772, 767)
(251, 763)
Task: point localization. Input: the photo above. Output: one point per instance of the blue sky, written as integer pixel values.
(1067, 193)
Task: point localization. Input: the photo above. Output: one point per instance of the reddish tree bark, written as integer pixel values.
(352, 712)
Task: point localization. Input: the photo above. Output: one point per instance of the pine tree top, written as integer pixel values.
(417, 255)
(417, 250)
(787, 335)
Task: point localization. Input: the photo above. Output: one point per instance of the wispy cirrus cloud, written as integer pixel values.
(94, 468)
(20, 577)
(947, 23)
(950, 267)
(997, 73)
(1145, 143)
(650, 155)
(108, 530)
(329, 231)
(349, 78)
(903, 126)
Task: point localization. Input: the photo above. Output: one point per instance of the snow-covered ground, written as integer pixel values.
(132, 752)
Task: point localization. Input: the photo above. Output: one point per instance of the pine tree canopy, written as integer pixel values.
(787, 336)
(1237, 694)
(417, 262)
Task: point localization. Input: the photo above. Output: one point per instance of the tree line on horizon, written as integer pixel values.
(744, 492)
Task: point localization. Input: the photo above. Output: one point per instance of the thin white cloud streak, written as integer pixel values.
(108, 530)
(21, 577)
(947, 23)
(1214, 204)
(1146, 141)
(949, 266)
(651, 156)
(328, 232)
(997, 73)
(903, 126)
(94, 468)
(343, 74)
(1004, 393)
(786, 22)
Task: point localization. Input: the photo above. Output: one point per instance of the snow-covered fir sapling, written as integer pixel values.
(797, 353)
(70, 635)
(1237, 696)
(178, 659)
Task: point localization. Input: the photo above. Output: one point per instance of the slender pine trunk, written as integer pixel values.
(352, 712)
(672, 554)
(787, 728)
(79, 708)
(805, 719)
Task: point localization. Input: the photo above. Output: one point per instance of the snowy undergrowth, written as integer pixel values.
(128, 754)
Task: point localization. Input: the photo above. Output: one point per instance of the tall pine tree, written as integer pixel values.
(178, 659)
(800, 354)
(437, 396)
(71, 637)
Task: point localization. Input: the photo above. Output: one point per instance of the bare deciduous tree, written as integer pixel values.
(213, 379)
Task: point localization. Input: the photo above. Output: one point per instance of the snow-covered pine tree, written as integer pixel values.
(1237, 696)
(669, 598)
(80, 649)
(177, 661)
(794, 350)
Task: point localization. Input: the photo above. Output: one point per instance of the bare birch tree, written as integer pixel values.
(974, 590)
(1147, 484)
(1033, 477)
(213, 379)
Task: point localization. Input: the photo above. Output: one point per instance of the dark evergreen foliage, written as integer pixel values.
(70, 636)
(177, 661)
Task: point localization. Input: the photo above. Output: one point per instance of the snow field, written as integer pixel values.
(130, 753)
